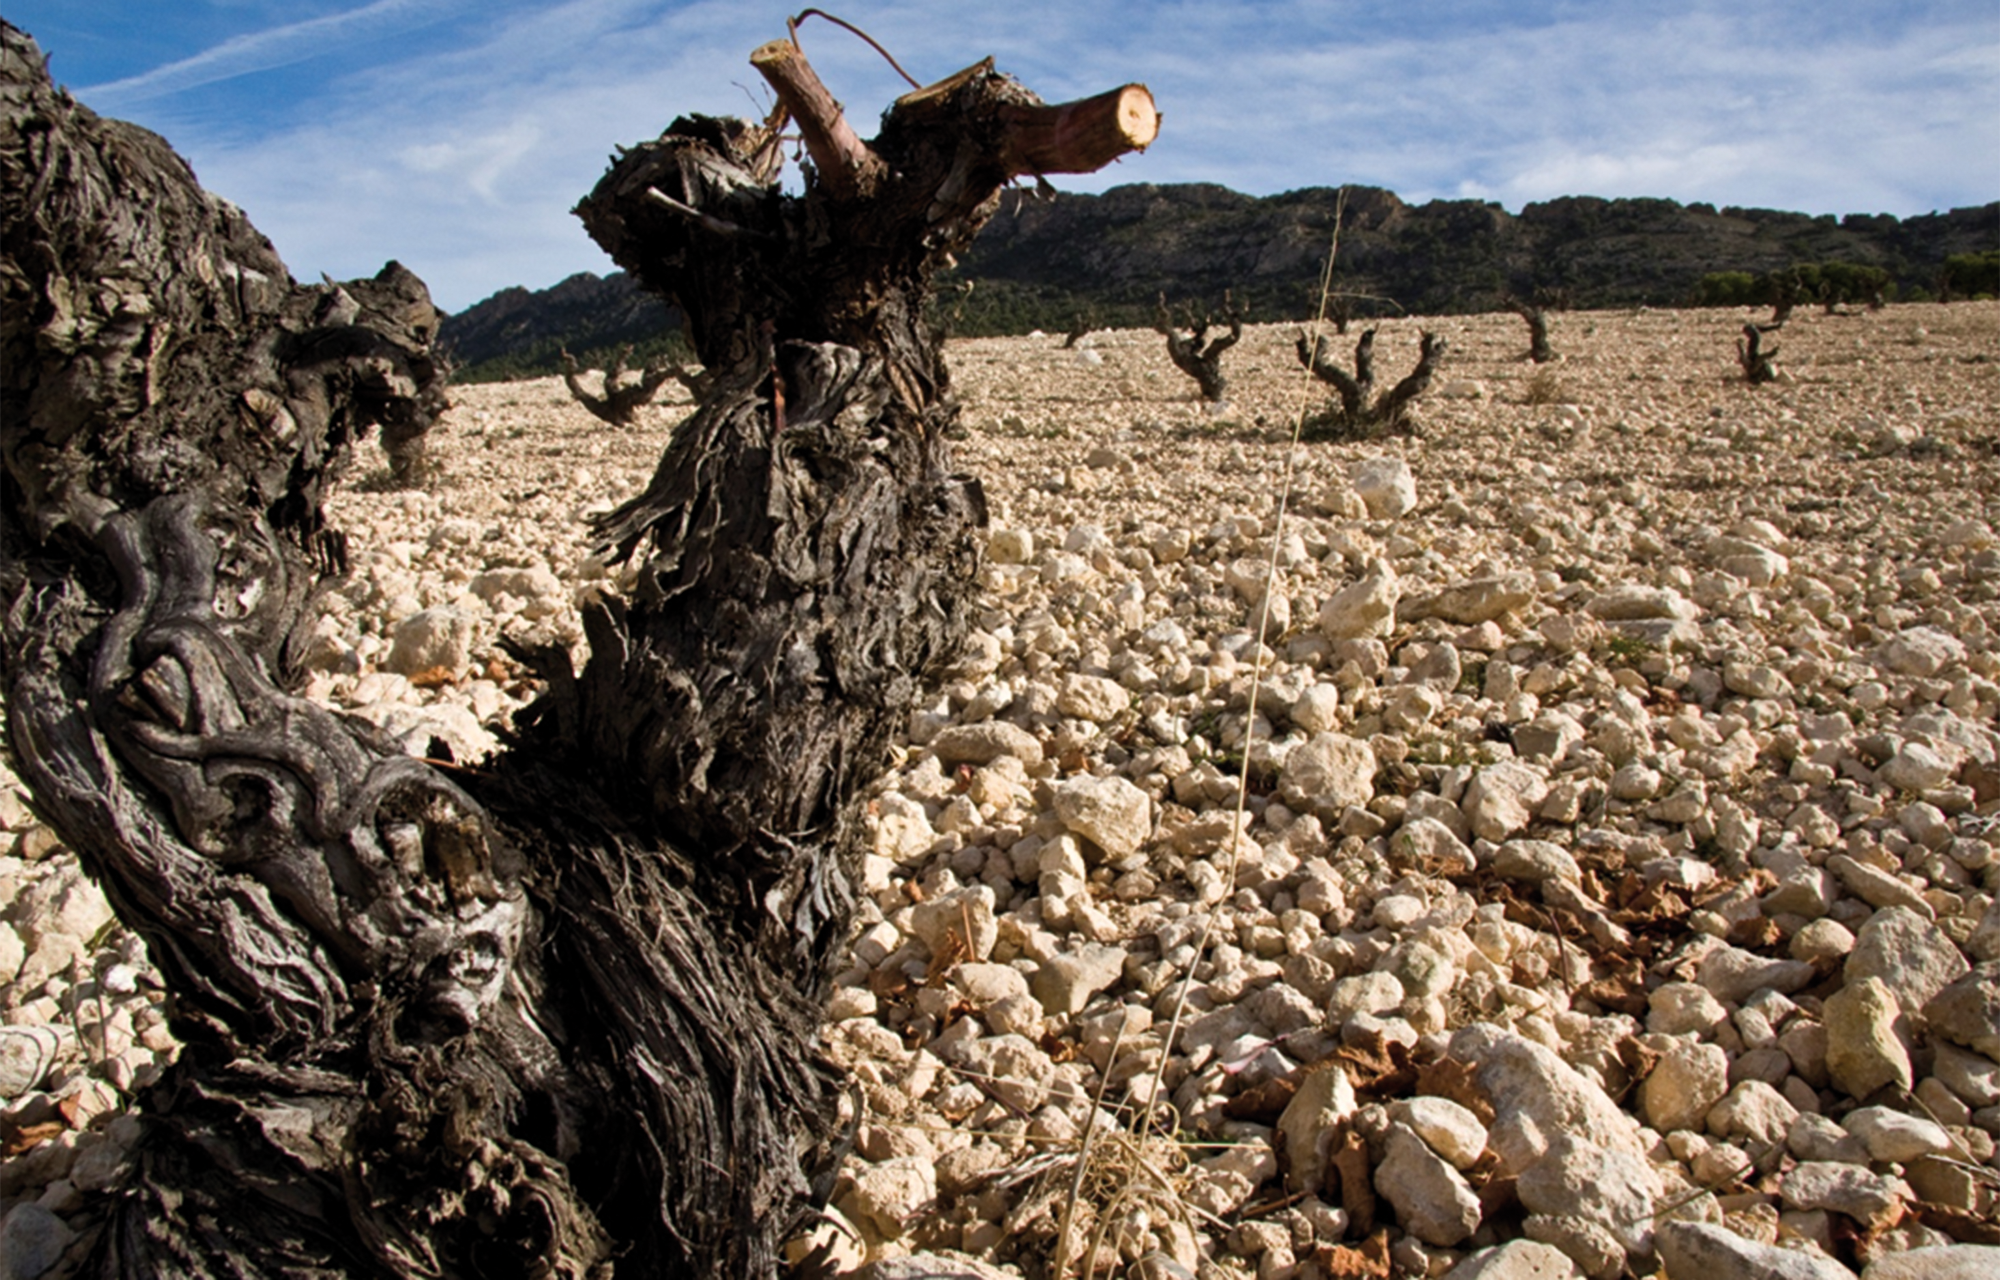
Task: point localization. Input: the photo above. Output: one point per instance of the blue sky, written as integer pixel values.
(457, 134)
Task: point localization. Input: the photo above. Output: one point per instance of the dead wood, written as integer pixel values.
(1759, 362)
(1361, 414)
(556, 1011)
(619, 405)
(1786, 288)
(1193, 352)
(1340, 310)
(1536, 312)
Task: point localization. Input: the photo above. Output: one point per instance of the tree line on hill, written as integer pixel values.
(1106, 260)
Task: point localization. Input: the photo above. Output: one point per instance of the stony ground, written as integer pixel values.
(1592, 871)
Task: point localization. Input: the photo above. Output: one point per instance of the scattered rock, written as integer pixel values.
(1431, 1199)
(1110, 812)
(32, 1241)
(1385, 486)
(1515, 1260)
(1704, 1251)
(27, 1054)
(1863, 1051)
(431, 640)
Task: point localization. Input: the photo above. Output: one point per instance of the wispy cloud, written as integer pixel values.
(265, 50)
(464, 157)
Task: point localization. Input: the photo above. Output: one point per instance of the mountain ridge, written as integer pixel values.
(1042, 263)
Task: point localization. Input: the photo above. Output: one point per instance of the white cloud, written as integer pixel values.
(478, 162)
(265, 50)
(465, 164)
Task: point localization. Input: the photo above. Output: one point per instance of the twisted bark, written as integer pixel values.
(1759, 362)
(1540, 349)
(557, 1010)
(1197, 355)
(1361, 412)
(620, 402)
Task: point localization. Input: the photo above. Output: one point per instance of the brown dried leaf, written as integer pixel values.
(1623, 990)
(1265, 1102)
(1754, 932)
(1457, 1081)
(1638, 1059)
(951, 949)
(71, 1109)
(1378, 1067)
(1639, 901)
(433, 677)
(28, 1137)
(1350, 1180)
(888, 984)
(1497, 1193)
(1369, 1262)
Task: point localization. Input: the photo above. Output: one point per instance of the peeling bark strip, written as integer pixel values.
(556, 1012)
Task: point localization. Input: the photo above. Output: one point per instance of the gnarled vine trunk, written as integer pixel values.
(556, 1012)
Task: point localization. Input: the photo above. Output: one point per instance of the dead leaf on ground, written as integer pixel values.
(1640, 901)
(1369, 1262)
(1350, 1180)
(433, 677)
(28, 1137)
(1637, 1058)
(1263, 1102)
(1622, 991)
(952, 948)
(1498, 1194)
(1754, 932)
(1457, 1081)
(1379, 1067)
(71, 1110)
(888, 984)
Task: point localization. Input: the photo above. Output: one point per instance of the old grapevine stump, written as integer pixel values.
(556, 1013)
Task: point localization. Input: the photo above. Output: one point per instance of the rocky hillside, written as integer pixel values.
(1110, 256)
(1126, 247)
(518, 333)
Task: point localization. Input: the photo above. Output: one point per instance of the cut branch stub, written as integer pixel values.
(1080, 137)
(846, 164)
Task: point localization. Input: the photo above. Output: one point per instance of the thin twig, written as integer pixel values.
(709, 221)
(1257, 669)
(1083, 1154)
(792, 28)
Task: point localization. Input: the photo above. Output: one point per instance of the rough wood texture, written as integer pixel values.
(557, 1011)
(620, 403)
(1360, 412)
(1540, 350)
(1759, 362)
(1199, 359)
